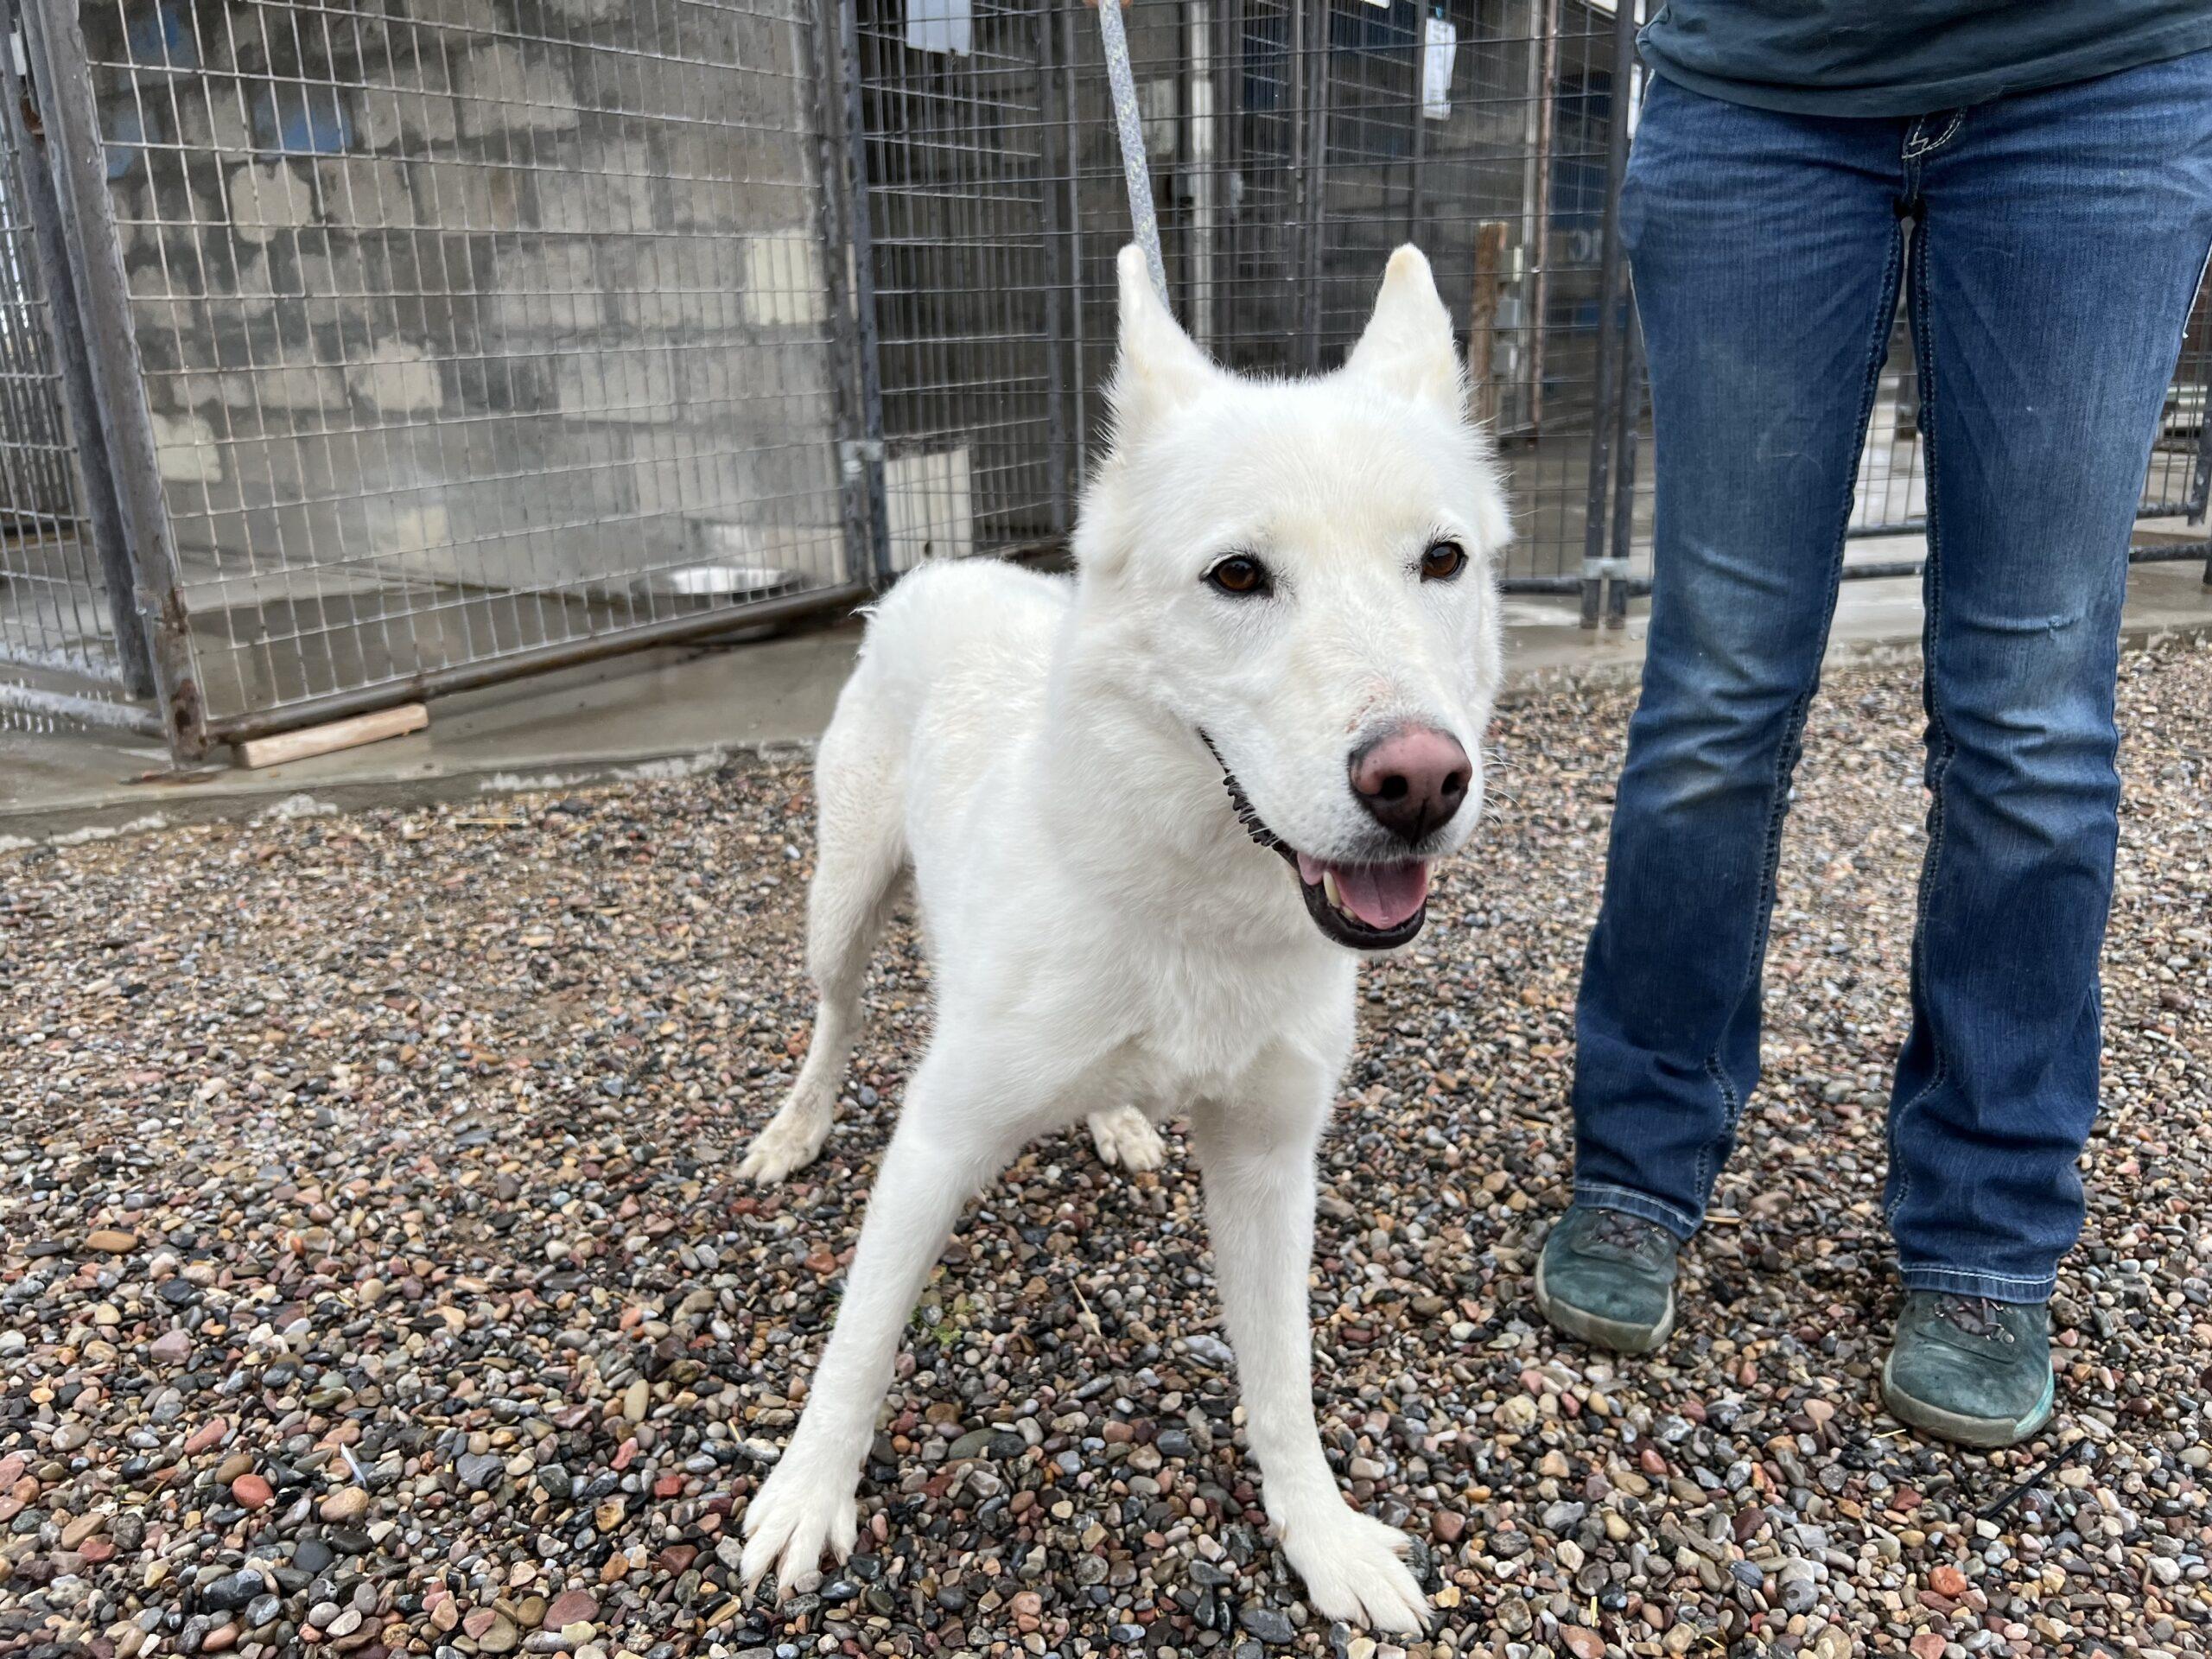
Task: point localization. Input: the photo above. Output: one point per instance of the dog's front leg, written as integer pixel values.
(1257, 1159)
(946, 1147)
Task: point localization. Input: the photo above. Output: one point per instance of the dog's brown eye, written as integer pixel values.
(1443, 561)
(1239, 576)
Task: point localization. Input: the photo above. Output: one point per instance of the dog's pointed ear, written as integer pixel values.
(1158, 368)
(1407, 343)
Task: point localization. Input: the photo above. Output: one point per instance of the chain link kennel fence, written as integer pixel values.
(355, 350)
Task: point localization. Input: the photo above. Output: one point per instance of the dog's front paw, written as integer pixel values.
(1127, 1137)
(791, 1520)
(793, 1138)
(1354, 1568)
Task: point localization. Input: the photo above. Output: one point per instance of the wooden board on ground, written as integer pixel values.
(257, 752)
(1482, 320)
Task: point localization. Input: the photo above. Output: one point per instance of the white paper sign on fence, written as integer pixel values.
(940, 25)
(1443, 45)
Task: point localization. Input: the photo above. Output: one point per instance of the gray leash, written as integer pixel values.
(1130, 125)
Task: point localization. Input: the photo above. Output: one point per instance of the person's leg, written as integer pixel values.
(1766, 250)
(2063, 236)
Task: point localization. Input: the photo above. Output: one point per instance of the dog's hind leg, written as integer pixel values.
(1126, 1136)
(860, 852)
(1257, 1160)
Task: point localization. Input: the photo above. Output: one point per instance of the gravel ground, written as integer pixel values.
(374, 1276)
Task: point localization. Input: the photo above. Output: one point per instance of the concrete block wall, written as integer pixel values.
(474, 294)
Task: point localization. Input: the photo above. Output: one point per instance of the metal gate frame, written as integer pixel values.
(102, 396)
(51, 400)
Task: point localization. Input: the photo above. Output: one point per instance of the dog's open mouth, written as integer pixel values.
(1365, 907)
(1368, 906)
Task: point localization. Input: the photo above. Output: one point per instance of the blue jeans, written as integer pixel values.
(2048, 244)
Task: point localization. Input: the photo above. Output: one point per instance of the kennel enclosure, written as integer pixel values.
(356, 350)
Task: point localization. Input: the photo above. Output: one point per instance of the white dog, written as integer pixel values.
(1153, 815)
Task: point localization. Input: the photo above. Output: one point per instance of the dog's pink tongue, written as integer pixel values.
(1381, 895)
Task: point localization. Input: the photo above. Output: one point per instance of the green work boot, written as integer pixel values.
(1608, 1277)
(1970, 1370)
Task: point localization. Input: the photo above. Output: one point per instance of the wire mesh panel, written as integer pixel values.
(1292, 143)
(955, 110)
(57, 639)
(472, 331)
(1891, 492)
(1477, 130)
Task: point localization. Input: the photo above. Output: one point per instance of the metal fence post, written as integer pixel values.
(61, 72)
(1219, 248)
(1202, 179)
(1418, 143)
(1232, 64)
(2200, 485)
(1545, 52)
(1051, 129)
(868, 455)
(1312, 56)
(103, 514)
(1080, 428)
(1613, 325)
(835, 210)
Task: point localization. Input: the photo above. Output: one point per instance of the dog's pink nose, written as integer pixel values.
(1412, 780)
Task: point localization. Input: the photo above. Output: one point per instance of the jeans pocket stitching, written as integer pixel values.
(1917, 146)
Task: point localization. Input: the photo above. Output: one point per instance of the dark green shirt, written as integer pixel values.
(1909, 57)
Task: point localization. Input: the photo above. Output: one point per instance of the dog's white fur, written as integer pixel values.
(1107, 941)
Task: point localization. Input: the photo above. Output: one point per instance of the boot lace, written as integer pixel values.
(1974, 1316)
